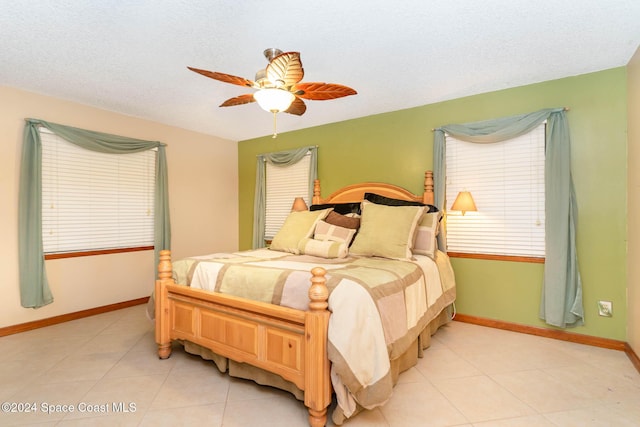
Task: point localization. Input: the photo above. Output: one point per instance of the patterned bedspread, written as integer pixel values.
(379, 306)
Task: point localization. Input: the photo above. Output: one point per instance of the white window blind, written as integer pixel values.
(284, 184)
(506, 180)
(95, 201)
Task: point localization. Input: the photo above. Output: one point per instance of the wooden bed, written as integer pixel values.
(287, 342)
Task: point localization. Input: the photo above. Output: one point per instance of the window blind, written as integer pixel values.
(284, 184)
(506, 180)
(95, 201)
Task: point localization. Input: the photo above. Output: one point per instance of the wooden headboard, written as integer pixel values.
(355, 192)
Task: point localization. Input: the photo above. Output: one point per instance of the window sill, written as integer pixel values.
(97, 252)
(535, 260)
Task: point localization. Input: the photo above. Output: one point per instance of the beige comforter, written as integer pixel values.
(379, 306)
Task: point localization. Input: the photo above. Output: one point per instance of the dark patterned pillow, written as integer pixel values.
(389, 201)
(341, 208)
(343, 220)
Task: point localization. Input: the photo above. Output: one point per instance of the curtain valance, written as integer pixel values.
(561, 301)
(280, 158)
(34, 287)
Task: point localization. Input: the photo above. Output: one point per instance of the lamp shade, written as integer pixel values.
(299, 205)
(464, 202)
(274, 100)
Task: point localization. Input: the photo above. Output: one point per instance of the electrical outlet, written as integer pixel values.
(605, 308)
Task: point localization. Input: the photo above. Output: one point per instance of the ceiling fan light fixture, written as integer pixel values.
(279, 87)
(274, 100)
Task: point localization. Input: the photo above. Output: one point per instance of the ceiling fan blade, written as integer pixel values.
(297, 107)
(238, 100)
(285, 69)
(227, 78)
(321, 91)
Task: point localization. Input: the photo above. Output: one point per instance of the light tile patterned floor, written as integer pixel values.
(106, 367)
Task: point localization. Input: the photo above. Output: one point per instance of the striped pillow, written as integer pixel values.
(324, 249)
(334, 233)
(425, 241)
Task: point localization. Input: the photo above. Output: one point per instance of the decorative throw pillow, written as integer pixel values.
(341, 208)
(387, 231)
(425, 241)
(343, 220)
(298, 226)
(324, 249)
(389, 201)
(335, 233)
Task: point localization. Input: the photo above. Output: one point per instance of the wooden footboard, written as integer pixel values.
(290, 343)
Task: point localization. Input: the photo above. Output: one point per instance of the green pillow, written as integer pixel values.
(386, 231)
(298, 226)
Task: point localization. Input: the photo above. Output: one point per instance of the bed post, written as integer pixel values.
(316, 192)
(317, 395)
(162, 304)
(427, 196)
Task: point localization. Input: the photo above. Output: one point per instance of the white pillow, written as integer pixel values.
(323, 248)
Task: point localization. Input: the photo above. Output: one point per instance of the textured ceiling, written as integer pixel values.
(131, 56)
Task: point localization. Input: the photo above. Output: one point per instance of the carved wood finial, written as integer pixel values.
(165, 268)
(428, 195)
(316, 192)
(318, 292)
(428, 182)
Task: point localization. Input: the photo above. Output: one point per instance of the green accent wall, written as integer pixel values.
(397, 147)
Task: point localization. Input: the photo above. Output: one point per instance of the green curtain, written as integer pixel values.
(280, 158)
(561, 300)
(34, 287)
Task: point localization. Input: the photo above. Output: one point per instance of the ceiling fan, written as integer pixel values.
(279, 86)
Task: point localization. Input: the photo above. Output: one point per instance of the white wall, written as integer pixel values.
(633, 197)
(203, 196)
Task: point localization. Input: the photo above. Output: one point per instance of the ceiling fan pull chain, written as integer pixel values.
(275, 123)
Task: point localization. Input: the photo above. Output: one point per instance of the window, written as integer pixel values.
(94, 201)
(506, 180)
(284, 184)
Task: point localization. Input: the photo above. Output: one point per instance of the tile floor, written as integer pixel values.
(106, 368)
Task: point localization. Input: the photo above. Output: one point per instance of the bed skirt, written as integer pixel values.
(242, 370)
